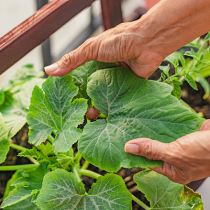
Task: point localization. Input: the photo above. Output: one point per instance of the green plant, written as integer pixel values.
(195, 66)
(130, 107)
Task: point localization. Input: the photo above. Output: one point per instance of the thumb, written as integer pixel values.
(151, 149)
(86, 52)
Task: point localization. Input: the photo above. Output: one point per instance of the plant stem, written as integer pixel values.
(102, 116)
(140, 203)
(85, 165)
(22, 149)
(18, 167)
(78, 157)
(17, 147)
(50, 138)
(89, 173)
(75, 171)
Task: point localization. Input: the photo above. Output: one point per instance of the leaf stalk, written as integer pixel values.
(140, 203)
(18, 167)
(17, 147)
(89, 173)
(85, 165)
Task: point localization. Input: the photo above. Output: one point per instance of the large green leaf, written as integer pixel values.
(82, 73)
(62, 191)
(4, 143)
(134, 108)
(26, 186)
(165, 194)
(53, 110)
(14, 113)
(23, 205)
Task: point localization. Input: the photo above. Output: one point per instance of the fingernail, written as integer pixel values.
(132, 148)
(51, 68)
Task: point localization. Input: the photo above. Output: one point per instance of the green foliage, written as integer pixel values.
(165, 194)
(195, 67)
(23, 205)
(26, 186)
(82, 73)
(15, 97)
(53, 110)
(131, 107)
(109, 192)
(126, 101)
(4, 143)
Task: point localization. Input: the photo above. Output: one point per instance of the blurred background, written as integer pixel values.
(86, 24)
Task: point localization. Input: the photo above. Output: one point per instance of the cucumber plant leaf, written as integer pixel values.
(82, 73)
(15, 111)
(109, 192)
(165, 194)
(134, 108)
(23, 205)
(4, 142)
(26, 186)
(53, 110)
(24, 74)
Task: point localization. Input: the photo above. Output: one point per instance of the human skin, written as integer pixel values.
(142, 45)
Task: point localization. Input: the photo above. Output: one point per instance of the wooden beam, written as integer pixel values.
(111, 13)
(36, 29)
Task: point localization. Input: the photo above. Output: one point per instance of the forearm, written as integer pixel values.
(171, 24)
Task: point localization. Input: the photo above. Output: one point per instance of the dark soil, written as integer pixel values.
(190, 96)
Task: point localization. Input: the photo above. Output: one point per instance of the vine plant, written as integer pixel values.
(130, 107)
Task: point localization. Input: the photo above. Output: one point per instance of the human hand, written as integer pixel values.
(125, 43)
(186, 159)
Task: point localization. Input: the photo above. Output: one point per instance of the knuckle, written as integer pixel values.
(66, 60)
(148, 151)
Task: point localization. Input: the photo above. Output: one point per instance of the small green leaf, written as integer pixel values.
(163, 76)
(6, 99)
(26, 186)
(191, 53)
(34, 153)
(4, 143)
(173, 61)
(53, 109)
(125, 100)
(2, 97)
(165, 69)
(65, 160)
(165, 194)
(191, 82)
(109, 192)
(182, 59)
(82, 73)
(176, 89)
(207, 38)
